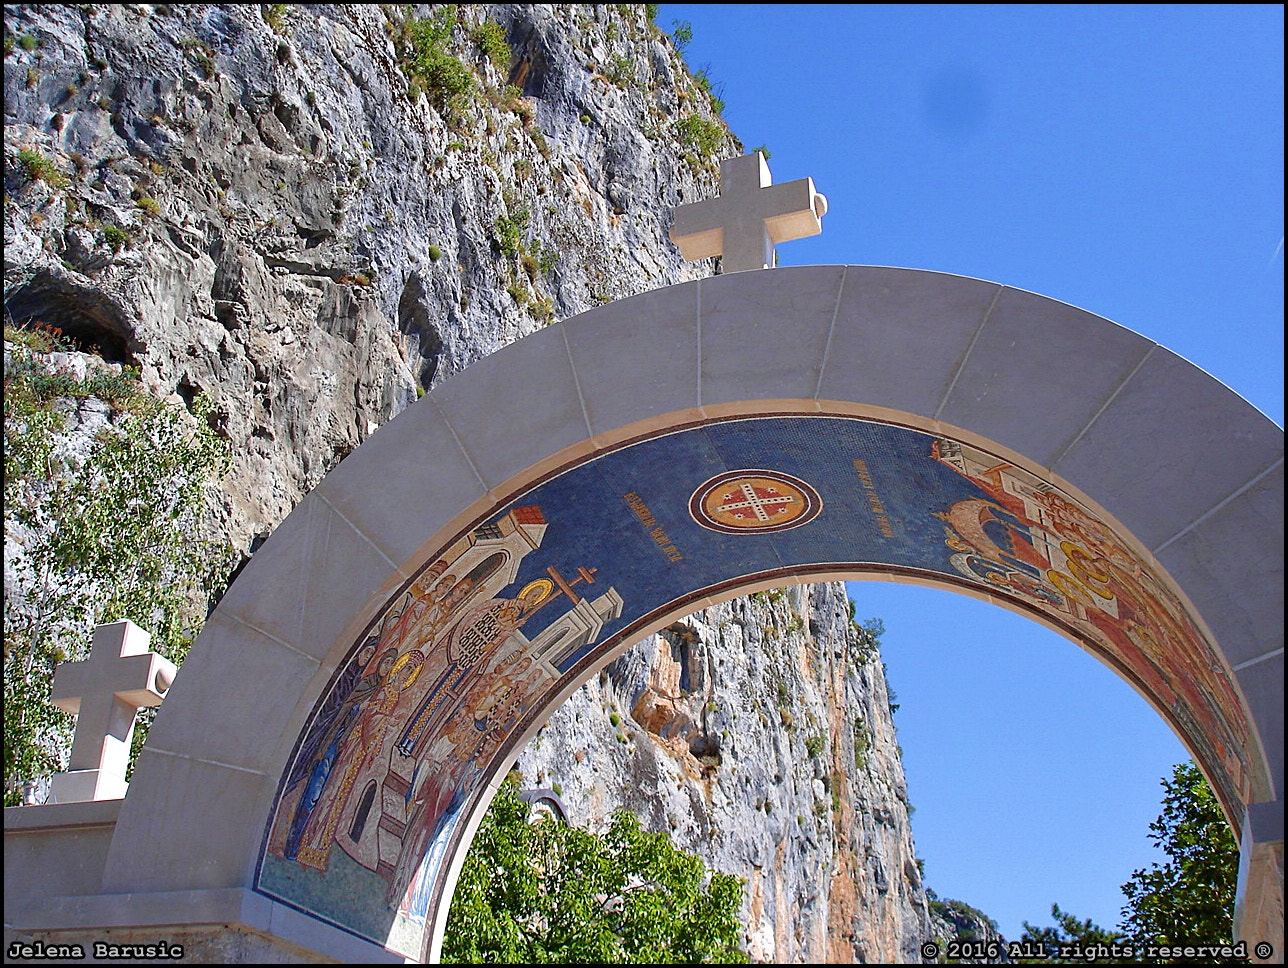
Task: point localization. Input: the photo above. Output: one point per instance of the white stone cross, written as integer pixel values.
(748, 217)
(104, 692)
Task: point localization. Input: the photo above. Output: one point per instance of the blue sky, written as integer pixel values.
(1125, 159)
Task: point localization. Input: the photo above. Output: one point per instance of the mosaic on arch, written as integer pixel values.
(463, 658)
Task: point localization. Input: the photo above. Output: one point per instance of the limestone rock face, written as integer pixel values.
(758, 733)
(264, 204)
(957, 921)
(272, 215)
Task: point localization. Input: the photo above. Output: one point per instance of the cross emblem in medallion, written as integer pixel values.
(754, 501)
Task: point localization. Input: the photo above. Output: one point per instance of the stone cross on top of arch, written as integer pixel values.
(104, 692)
(748, 217)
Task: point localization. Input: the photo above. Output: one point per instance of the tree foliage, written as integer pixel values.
(543, 892)
(1188, 900)
(97, 528)
(1068, 930)
(699, 134)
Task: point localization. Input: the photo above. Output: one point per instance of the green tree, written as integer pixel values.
(544, 892)
(1069, 930)
(489, 36)
(681, 34)
(96, 530)
(699, 134)
(1190, 898)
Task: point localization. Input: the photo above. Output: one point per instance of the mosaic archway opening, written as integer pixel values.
(470, 652)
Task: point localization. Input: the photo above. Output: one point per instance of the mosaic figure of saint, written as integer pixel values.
(338, 701)
(457, 717)
(362, 679)
(466, 646)
(360, 752)
(489, 711)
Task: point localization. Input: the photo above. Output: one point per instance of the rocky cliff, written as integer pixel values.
(310, 214)
(758, 733)
(977, 941)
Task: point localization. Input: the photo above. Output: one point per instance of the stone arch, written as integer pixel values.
(1055, 441)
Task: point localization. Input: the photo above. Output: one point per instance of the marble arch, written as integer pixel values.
(612, 472)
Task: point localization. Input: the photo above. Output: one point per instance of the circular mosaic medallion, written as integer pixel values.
(754, 502)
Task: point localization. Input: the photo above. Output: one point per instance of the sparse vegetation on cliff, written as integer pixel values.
(430, 66)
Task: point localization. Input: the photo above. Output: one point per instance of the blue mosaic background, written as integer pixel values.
(592, 525)
(626, 514)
